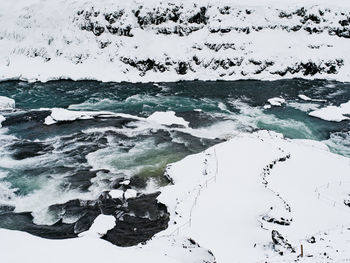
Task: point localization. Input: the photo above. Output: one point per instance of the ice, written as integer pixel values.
(224, 175)
(116, 193)
(167, 118)
(130, 193)
(2, 118)
(7, 103)
(276, 101)
(219, 198)
(333, 113)
(61, 115)
(100, 226)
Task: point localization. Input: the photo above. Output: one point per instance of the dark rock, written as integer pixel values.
(82, 179)
(27, 149)
(29, 116)
(281, 221)
(143, 217)
(6, 208)
(138, 182)
(109, 205)
(311, 240)
(279, 242)
(24, 222)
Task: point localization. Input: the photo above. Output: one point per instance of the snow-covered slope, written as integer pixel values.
(171, 40)
(259, 197)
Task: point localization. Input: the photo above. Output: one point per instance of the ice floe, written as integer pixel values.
(333, 113)
(276, 101)
(167, 118)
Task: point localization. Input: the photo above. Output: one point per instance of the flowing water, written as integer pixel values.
(42, 165)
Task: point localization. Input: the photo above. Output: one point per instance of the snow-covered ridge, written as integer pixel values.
(173, 40)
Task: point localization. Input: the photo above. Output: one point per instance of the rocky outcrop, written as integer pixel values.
(137, 219)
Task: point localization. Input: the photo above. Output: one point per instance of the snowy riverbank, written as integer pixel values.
(255, 198)
(142, 41)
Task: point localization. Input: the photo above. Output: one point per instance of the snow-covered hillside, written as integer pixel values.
(172, 40)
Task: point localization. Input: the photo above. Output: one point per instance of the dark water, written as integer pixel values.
(43, 165)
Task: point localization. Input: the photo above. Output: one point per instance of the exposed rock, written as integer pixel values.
(280, 243)
(27, 149)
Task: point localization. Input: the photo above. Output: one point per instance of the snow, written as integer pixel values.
(116, 193)
(50, 40)
(125, 182)
(6, 103)
(167, 118)
(223, 198)
(130, 193)
(86, 249)
(333, 113)
(276, 101)
(100, 226)
(62, 115)
(2, 118)
(306, 98)
(222, 203)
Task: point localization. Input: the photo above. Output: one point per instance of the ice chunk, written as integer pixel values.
(276, 101)
(130, 193)
(167, 118)
(333, 113)
(116, 193)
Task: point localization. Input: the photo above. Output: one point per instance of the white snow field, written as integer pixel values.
(255, 198)
(154, 40)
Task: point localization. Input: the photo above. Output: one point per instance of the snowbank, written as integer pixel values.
(233, 201)
(333, 113)
(142, 41)
(6, 103)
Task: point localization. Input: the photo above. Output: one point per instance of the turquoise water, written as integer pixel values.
(38, 162)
